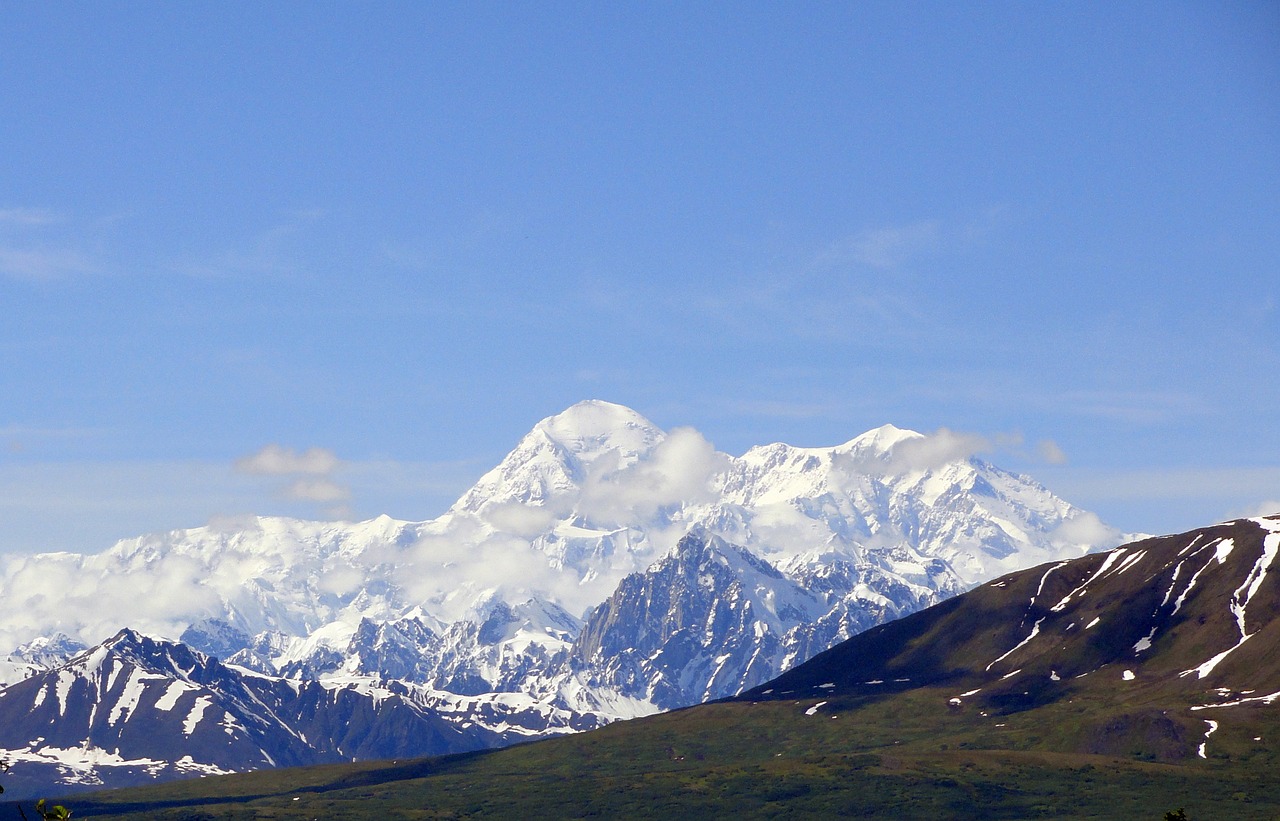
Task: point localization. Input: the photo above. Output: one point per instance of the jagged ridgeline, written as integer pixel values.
(605, 569)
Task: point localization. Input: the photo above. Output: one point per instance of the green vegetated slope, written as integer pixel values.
(1120, 685)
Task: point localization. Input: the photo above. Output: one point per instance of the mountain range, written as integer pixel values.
(1135, 683)
(605, 569)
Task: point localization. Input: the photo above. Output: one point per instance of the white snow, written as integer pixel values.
(1268, 523)
(1213, 726)
(814, 709)
(1035, 631)
(1130, 562)
(172, 693)
(127, 701)
(1043, 579)
(1128, 675)
(1207, 667)
(197, 713)
(1240, 599)
(1267, 699)
(1270, 545)
(1111, 559)
(79, 765)
(1182, 597)
(65, 679)
(1173, 582)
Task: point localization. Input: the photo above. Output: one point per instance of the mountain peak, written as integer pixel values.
(554, 458)
(882, 439)
(594, 425)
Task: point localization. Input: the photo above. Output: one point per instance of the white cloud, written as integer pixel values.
(274, 460)
(1051, 453)
(313, 469)
(1084, 529)
(342, 580)
(523, 520)
(1270, 507)
(458, 557)
(940, 448)
(97, 595)
(678, 471)
(228, 524)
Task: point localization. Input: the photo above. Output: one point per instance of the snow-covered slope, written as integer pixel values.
(562, 588)
(134, 709)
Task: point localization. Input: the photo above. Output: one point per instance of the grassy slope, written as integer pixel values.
(906, 756)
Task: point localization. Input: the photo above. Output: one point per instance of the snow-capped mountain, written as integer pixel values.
(604, 569)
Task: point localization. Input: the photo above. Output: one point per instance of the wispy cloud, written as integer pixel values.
(18, 438)
(1167, 500)
(1201, 493)
(43, 264)
(891, 246)
(885, 246)
(31, 251)
(27, 216)
(1142, 407)
(1181, 483)
(862, 288)
(268, 253)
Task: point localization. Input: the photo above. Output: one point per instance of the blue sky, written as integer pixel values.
(401, 233)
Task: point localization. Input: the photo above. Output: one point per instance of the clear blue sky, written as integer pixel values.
(404, 232)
